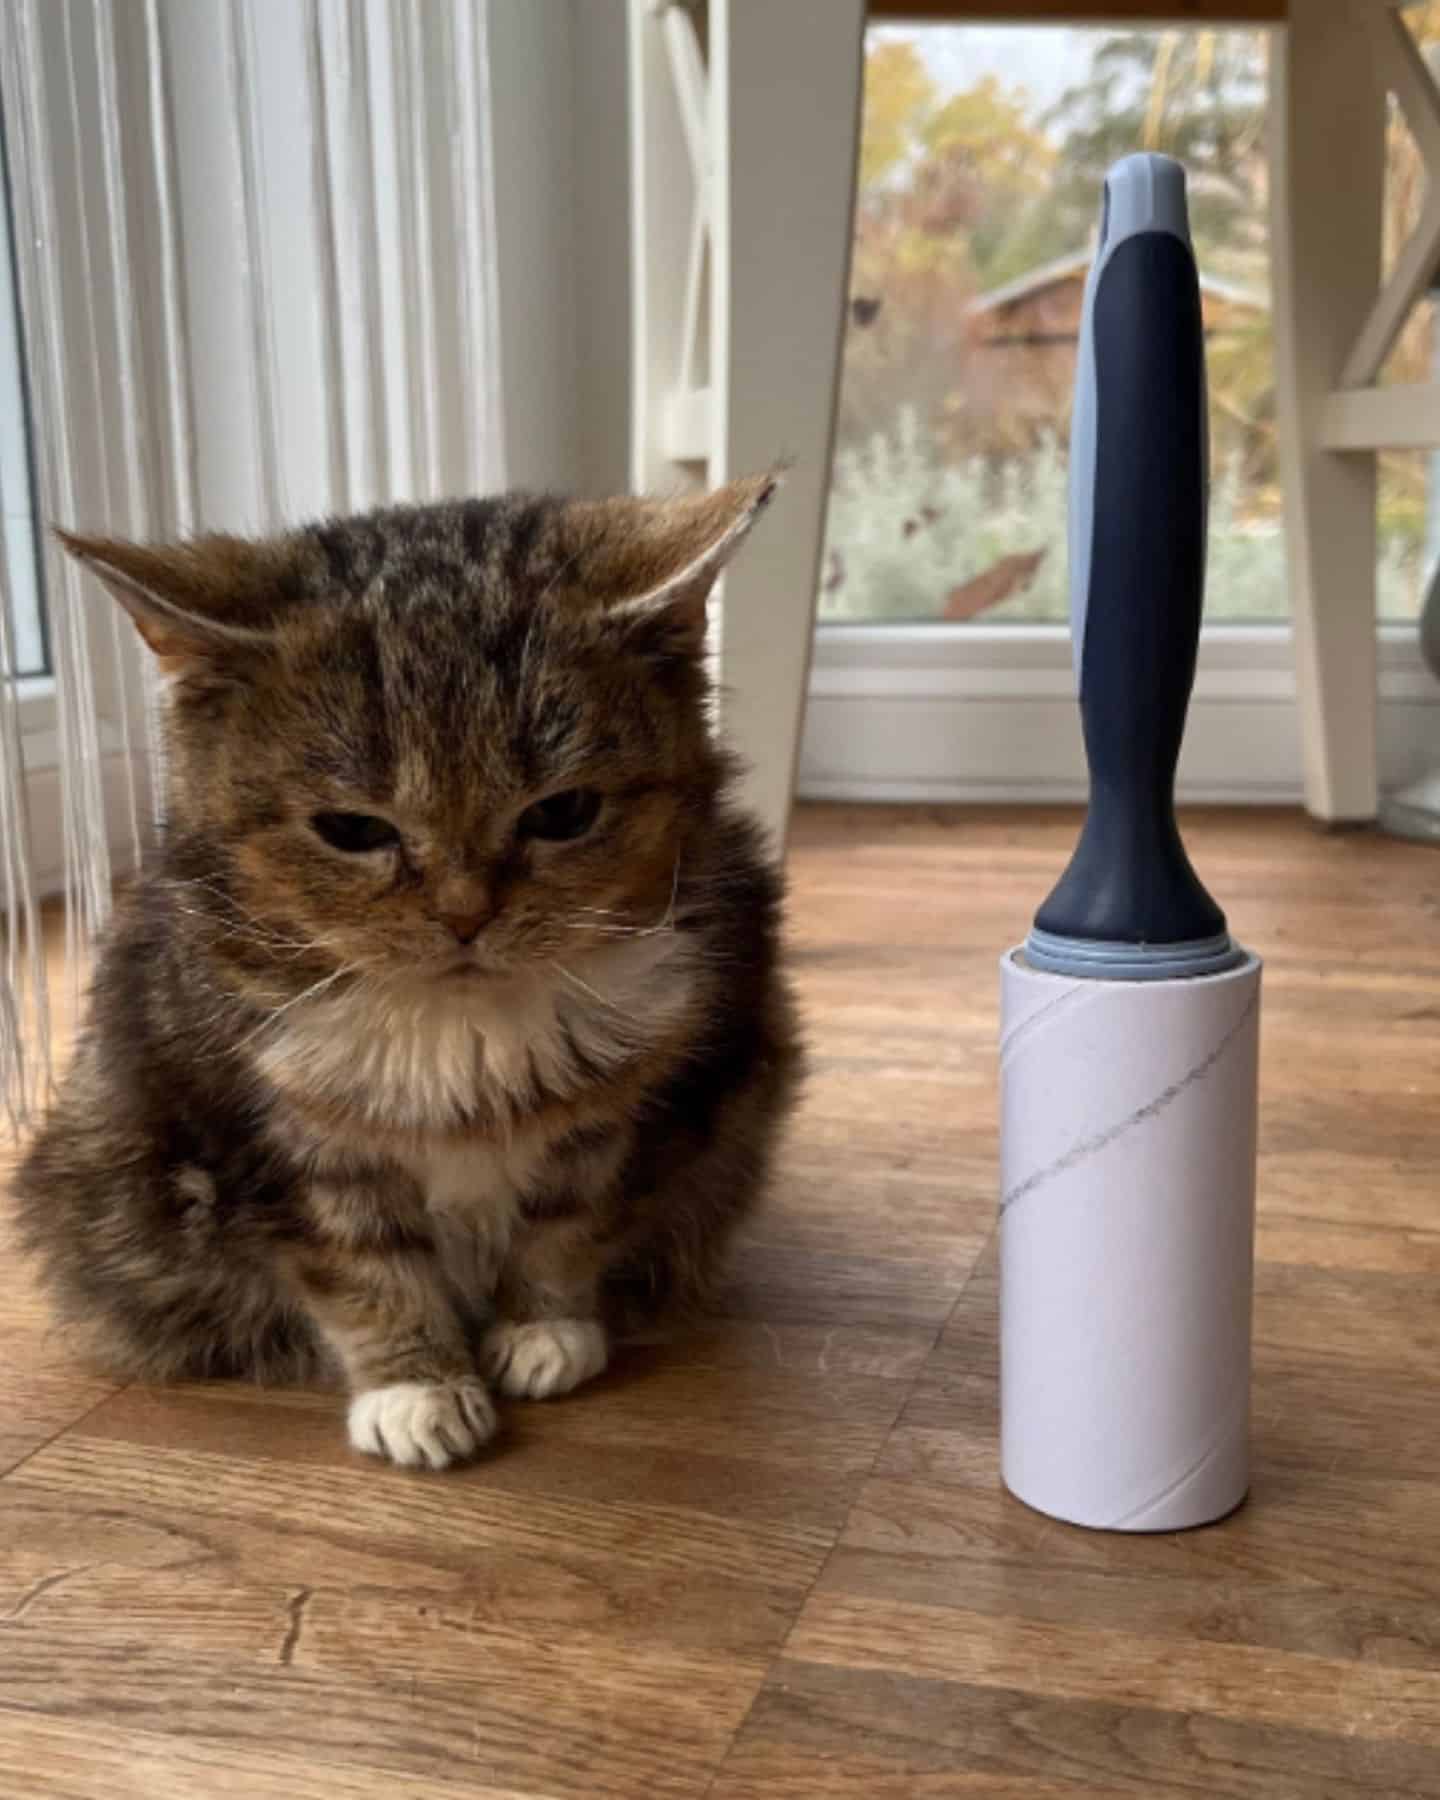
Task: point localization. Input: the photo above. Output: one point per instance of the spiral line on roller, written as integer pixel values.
(1020, 1033)
(1091, 1146)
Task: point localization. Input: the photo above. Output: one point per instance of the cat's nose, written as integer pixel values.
(462, 902)
(465, 926)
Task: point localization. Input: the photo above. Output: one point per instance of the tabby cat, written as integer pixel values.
(445, 1033)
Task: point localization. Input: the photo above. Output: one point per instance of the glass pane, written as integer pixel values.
(19, 536)
(1408, 482)
(1408, 515)
(982, 157)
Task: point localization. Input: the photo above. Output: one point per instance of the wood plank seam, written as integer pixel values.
(779, 1656)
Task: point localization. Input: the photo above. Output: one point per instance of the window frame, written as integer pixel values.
(987, 713)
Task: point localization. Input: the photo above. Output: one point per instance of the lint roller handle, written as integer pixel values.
(1138, 504)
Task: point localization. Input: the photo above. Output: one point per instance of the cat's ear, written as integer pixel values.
(657, 560)
(195, 604)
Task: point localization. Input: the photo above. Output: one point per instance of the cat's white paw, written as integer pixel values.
(423, 1422)
(541, 1357)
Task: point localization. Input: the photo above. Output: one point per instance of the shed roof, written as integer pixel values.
(1076, 266)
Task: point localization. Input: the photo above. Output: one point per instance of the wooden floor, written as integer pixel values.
(774, 1561)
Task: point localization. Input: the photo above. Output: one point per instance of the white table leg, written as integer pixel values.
(1327, 181)
(789, 87)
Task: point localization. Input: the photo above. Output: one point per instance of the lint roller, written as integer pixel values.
(1130, 1017)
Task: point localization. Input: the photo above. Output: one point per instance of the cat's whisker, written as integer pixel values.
(593, 993)
(226, 899)
(575, 981)
(560, 575)
(661, 928)
(668, 920)
(226, 1004)
(604, 930)
(265, 940)
(253, 921)
(208, 885)
(309, 993)
(665, 923)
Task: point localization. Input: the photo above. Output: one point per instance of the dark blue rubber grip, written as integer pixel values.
(1130, 881)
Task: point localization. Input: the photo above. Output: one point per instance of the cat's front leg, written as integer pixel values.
(368, 1276)
(547, 1337)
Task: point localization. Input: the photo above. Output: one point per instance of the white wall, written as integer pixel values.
(532, 74)
(559, 131)
(602, 245)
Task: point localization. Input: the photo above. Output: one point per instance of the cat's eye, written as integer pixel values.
(354, 832)
(560, 818)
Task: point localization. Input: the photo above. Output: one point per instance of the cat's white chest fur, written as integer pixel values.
(414, 1055)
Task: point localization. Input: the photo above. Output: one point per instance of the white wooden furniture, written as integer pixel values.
(1335, 325)
(742, 167)
(742, 194)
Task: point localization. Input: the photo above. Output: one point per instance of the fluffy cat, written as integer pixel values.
(445, 1031)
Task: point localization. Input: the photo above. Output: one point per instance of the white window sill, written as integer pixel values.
(34, 690)
(987, 713)
(39, 739)
(40, 746)
(39, 725)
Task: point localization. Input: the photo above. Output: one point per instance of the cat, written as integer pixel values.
(445, 1033)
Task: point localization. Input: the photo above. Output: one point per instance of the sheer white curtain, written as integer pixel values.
(254, 249)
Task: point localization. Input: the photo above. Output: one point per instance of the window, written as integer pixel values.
(1408, 481)
(982, 157)
(19, 546)
(942, 666)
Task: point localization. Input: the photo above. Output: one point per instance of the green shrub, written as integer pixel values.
(905, 528)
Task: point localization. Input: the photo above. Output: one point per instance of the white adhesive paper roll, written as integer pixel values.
(1127, 1219)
